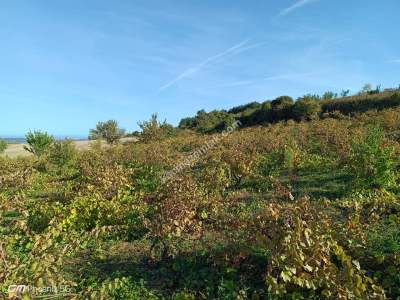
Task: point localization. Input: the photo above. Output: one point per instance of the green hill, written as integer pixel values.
(285, 108)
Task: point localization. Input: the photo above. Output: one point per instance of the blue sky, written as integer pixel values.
(64, 65)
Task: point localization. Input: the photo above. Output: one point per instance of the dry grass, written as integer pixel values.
(17, 150)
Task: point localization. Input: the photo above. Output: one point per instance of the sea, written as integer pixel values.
(16, 140)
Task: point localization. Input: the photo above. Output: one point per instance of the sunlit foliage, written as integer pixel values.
(293, 210)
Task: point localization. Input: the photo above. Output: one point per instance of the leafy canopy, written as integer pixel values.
(38, 142)
(154, 130)
(108, 131)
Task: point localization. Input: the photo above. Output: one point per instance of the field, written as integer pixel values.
(17, 150)
(289, 210)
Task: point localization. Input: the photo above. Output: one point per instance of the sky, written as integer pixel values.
(67, 64)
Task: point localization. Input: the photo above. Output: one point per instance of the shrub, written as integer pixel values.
(3, 146)
(153, 130)
(333, 115)
(270, 163)
(188, 123)
(213, 121)
(128, 289)
(307, 263)
(306, 108)
(258, 116)
(372, 163)
(38, 142)
(281, 108)
(241, 108)
(60, 158)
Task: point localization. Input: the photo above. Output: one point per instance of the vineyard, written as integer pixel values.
(297, 209)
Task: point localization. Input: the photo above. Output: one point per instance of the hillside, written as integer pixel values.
(285, 108)
(292, 210)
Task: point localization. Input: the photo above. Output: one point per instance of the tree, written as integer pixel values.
(261, 115)
(188, 123)
(38, 142)
(213, 121)
(306, 108)
(3, 146)
(344, 93)
(281, 102)
(281, 108)
(377, 90)
(133, 134)
(329, 95)
(366, 88)
(241, 108)
(108, 131)
(153, 130)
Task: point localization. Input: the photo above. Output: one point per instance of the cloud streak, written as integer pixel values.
(394, 61)
(295, 6)
(232, 51)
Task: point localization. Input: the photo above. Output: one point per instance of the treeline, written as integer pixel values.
(286, 108)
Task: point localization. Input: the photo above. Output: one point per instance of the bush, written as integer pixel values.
(372, 163)
(258, 116)
(188, 123)
(60, 158)
(241, 108)
(213, 121)
(281, 108)
(3, 146)
(38, 142)
(153, 130)
(307, 263)
(109, 131)
(306, 108)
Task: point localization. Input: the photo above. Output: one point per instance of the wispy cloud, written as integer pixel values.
(232, 51)
(270, 78)
(395, 61)
(297, 5)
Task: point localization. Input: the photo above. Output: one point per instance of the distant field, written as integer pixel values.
(17, 150)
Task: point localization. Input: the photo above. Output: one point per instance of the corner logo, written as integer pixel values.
(15, 290)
